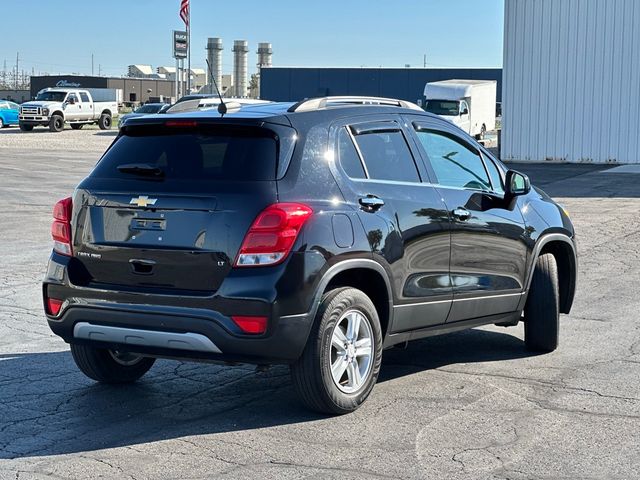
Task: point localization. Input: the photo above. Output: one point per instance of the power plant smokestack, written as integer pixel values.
(214, 55)
(265, 52)
(240, 50)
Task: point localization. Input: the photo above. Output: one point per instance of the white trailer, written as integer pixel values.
(469, 104)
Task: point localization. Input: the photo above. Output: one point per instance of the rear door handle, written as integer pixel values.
(371, 203)
(461, 213)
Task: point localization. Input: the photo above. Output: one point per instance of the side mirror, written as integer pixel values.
(464, 112)
(517, 183)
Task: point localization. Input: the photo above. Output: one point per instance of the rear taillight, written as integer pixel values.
(61, 226)
(254, 325)
(272, 234)
(53, 306)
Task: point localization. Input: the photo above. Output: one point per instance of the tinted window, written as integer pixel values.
(84, 96)
(349, 158)
(203, 154)
(387, 156)
(455, 165)
(4, 106)
(494, 174)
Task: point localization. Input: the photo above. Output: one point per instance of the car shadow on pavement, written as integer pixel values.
(49, 408)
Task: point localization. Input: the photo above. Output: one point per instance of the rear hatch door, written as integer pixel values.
(167, 207)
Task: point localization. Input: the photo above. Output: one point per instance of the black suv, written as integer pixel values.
(314, 234)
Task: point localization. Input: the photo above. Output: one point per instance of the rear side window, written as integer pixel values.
(85, 97)
(235, 154)
(349, 158)
(387, 156)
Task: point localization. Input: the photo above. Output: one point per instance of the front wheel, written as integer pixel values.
(340, 364)
(541, 313)
(2, 125)
(25, 127)
(56, 124)
(110, 366)
(104, 122)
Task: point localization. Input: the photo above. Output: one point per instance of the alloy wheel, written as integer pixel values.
(351, 351)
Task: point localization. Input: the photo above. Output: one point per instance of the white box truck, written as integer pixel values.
(469, 104)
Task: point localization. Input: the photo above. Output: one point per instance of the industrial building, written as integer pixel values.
(134, 90)
(571, 76)
(295, 83)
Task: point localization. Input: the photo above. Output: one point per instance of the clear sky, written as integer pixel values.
(60, 36)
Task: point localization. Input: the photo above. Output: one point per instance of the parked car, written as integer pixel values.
(146, 109)
(8, 113)
(313, 234)
(468, 104)
(53, 107)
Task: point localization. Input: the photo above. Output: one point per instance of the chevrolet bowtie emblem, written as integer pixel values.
(143, 201)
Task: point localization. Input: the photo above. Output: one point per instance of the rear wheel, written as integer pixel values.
(77, 126)
(110, 366)
(541, 313)
(341, 361)
(2, 125)
(25, 127)
(56, 124)
(104, 122)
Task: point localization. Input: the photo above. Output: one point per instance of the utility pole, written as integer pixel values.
(92, 64)
(99, 70)
(425, 60)
(17, 69)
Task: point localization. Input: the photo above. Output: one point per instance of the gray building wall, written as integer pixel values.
(296, 83)
(571, 81)
(17, 96)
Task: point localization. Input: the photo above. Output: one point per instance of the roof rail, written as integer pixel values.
(312, 104)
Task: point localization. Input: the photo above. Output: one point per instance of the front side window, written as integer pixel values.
(455, 164)
(464, 108)
(387, 156)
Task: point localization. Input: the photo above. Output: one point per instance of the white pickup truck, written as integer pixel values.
(53, 107)
(469, 104)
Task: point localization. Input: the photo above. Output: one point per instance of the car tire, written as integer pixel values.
(108, 366)
(77, 126)
(104, 122)
(56, 123)
(2, 125)
(313, 376)
(541, 312)
(25, 127)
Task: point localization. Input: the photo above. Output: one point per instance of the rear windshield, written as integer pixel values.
(205, 153)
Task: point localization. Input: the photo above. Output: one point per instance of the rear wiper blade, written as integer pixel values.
(141, 169)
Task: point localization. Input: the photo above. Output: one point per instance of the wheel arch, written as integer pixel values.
(365, 275)
(107, 112)
(57, 112)
(564, 251)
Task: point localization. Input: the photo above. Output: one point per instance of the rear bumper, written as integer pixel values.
(176, 335)
(170, 324)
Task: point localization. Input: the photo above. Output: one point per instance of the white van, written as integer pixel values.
(469, 104)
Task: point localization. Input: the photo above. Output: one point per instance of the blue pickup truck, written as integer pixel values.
(8, 113)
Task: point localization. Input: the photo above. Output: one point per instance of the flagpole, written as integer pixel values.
(189, 50)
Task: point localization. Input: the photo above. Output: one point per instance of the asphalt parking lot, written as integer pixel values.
(471, 405)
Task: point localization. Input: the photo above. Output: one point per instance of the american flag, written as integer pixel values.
(184, 11)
